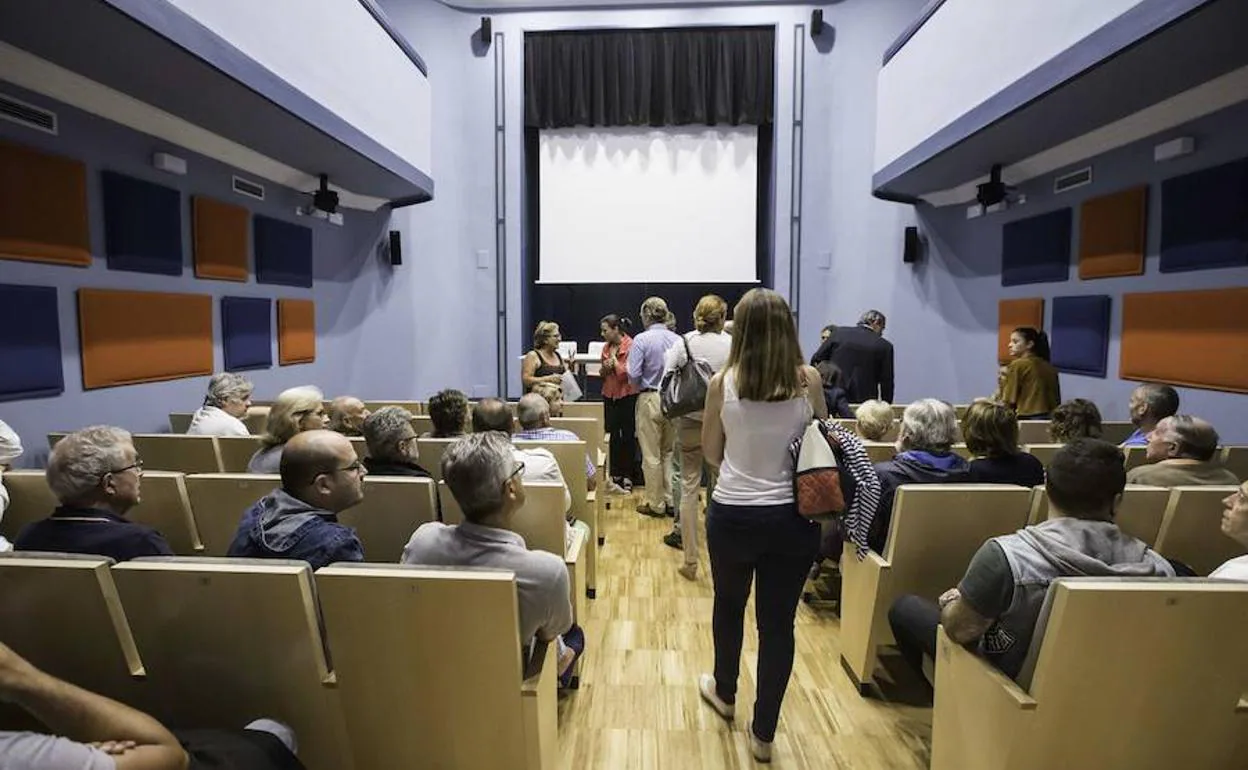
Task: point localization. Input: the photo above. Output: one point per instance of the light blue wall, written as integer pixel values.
(945, 324)
(453, 311)
(349, 281)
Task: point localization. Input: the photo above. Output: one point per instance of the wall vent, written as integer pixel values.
(248, 188)
(1072, 180)
(27, 114)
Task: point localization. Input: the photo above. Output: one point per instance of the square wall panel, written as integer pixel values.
(1036, 249)
(1194, 338)
(1111, 234)
(220, 239)
(142, 225)
(30, 347)
(43, 207)
(296, 331)
(1080, 334)
(1013, 313)
(142, 336)
(283, 252)
(247, 332)
(1204, 219)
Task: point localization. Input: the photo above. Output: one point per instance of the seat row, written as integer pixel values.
(373, 666)
(1029, 431)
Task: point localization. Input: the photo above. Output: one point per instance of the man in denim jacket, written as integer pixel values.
(321, 477)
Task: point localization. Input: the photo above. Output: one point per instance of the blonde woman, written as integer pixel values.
(543, 363)
(755, 407)
(875, 419)
(707, 343)
(295, 411)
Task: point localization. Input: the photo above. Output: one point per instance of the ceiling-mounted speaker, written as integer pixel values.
(913, 248)
(816, 22)
(486, 31)
(396, 248)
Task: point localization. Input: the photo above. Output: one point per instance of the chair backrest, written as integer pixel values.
(226, 641)
(62, 613)
(392, 509)
(1135, 456)
(898, 410)
(431, 451)
(567, 349)
(422, 424)
(414, 668)
(960, 410)
(1033, 431)
(1235, 458)
(54, 438)
(584, 409)
(178, 452)
(236, 452)
(890, 436)
(540, 521)
(570, 455)
(595, 350)
(30, 500)
(1116, 432)
(256, 419)
(180, 422)
(587, 429)
(880, 451)
(359, 445)
(1043, 452)
(1139, 513)
(219, 500)
(937, 528)
(1191, 531)
(415, 407)
(1089, 712)
(961, 450)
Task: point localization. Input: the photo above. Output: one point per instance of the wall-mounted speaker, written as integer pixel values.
(486, 31)
(396, 247)
(913, 249)
(816, 22)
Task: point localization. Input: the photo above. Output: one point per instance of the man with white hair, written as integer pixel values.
(347, 415)
(929, 429)
(391, 441)
(96, 474)
(533, 414)
(1180, 453)
(225, 406)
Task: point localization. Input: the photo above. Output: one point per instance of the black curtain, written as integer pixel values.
(650, 77)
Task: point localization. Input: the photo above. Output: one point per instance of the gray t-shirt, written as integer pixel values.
(541, 578)
(266, 460)
(34, 751)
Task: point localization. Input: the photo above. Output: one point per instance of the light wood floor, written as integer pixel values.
(648, 636)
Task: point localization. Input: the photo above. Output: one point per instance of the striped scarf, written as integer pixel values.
(861, 509)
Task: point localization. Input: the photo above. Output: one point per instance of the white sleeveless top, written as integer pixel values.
(757, 469)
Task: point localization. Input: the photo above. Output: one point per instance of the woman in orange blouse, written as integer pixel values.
(619, 398)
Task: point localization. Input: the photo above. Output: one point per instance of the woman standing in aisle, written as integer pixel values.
(762, 400)
(619, 397)
(1029, 384)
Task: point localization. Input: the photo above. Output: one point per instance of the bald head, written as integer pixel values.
(533, 411)
(1186, 437)
(320, 468)
(347, 415)
(491, 414)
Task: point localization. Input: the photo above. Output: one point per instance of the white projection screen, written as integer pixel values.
(645, 205)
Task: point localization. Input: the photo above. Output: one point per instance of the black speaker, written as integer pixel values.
(486, 28)
(816, 22)
(396, 248)
(914, 246)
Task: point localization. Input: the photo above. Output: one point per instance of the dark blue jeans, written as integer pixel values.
(778, 546)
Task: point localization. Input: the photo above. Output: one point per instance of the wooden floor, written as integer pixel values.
(648, 636)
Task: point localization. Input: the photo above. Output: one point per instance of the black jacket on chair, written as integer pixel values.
(865, 360)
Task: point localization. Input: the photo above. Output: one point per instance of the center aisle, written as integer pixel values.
(648, 636)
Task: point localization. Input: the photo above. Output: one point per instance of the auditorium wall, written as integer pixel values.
(944, 310)
(349, 281)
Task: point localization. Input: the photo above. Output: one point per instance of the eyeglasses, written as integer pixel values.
(519, 470)
(136, 465)
(354, 467)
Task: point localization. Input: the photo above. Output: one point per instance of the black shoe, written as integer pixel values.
(669, 511)
(645, 510)
(673, 540)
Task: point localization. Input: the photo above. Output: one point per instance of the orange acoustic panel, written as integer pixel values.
(43, 207)
(296, 331)
(220, 238)
(1013, 313)
(1111, 234)
(1194, 338)
(139, 336)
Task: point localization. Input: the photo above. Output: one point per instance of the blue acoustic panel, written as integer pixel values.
(247, 332)
(1080, 339)
(283, 252)
(1037, 249)
(142, 225)
(1204, 219)
(30, 347)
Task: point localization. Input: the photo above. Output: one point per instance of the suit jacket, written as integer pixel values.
(865, 360)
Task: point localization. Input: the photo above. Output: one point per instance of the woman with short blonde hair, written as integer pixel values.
(761, 401)
(543, 363)
(296, 410)
(875, 419)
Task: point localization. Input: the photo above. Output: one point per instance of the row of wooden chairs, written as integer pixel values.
(373, 666)
(1029, 431)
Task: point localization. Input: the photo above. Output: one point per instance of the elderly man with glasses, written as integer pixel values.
(96, 474)
(321, 477)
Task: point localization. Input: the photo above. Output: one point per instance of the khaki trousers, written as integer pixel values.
(692, 464)
(658, 439)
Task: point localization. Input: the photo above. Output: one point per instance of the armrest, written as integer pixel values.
(1242, 706)
(575, 546)
(865, 597)
(591, 496)
(540, 709)
(540, 662)
(970, 667)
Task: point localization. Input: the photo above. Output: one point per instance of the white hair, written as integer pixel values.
(226, 385)
(80, 460)
(928, 424)
(532, 410)
(384, 429)
(475, 468)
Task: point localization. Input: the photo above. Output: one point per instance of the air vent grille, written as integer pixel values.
(1072, 180)
(248, 188)
(27, 114)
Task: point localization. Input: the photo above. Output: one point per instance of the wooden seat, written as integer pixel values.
(422, 424)
(415, 407)
(173, 452)
(1135, 456)
(1139, 513)
(62, 613)
(880, 451)
(180, 422)
(420, 677)
(227, 641)
(934, 532)
(1043, 452)
(165, 507)
(590, 431)
(219, 500)
(1033, 432)
(430, 451)
(392, 508)
(1116, 432)
(1191, 531)
(1169, 698)
(1235, 458)
(570, 455)
(236, 452)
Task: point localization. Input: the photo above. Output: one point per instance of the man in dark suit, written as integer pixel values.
(865, 358)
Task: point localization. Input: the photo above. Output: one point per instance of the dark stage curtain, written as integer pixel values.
(652, 77)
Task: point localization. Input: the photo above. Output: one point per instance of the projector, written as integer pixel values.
(993, 191)
(325, 199)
